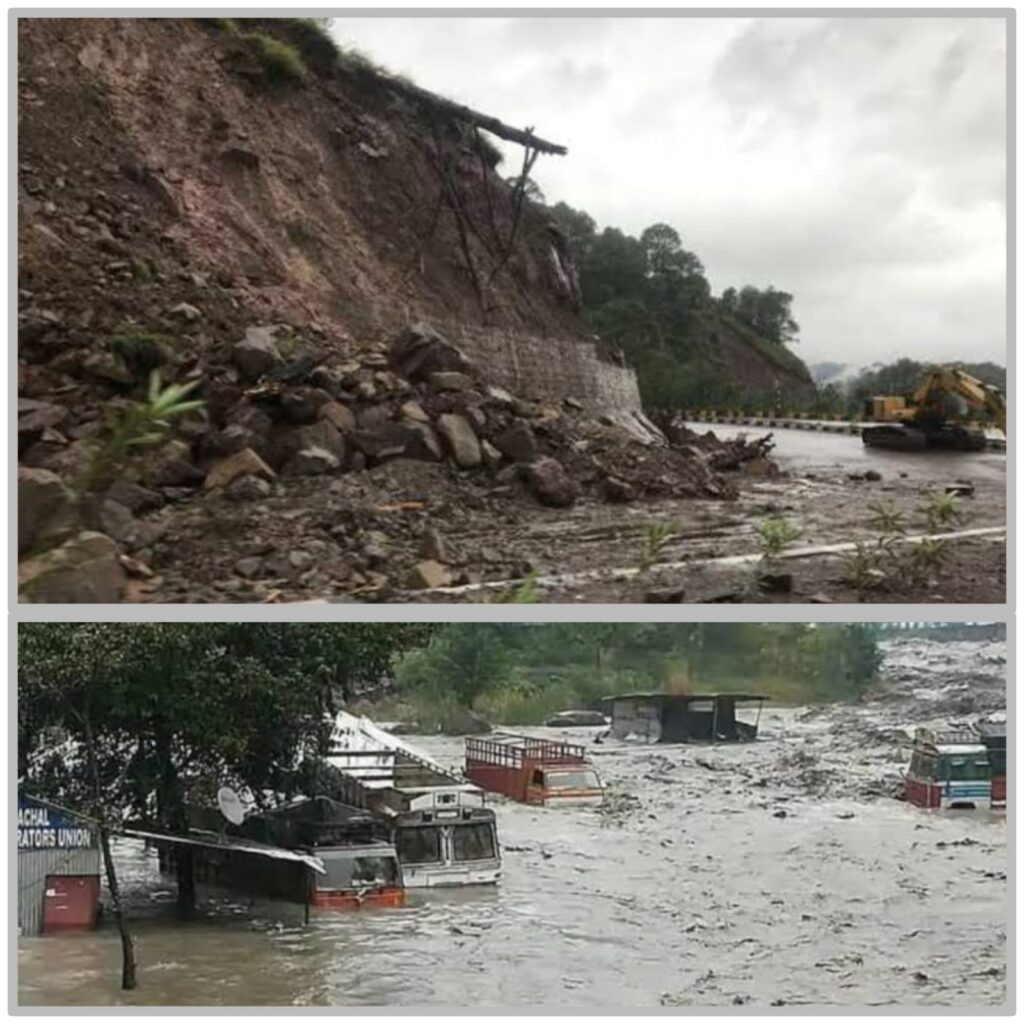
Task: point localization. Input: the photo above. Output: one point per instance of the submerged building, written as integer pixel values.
(685, 718)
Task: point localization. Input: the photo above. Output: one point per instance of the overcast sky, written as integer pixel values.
(859, 164)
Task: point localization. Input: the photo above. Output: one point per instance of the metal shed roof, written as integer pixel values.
(213, 841)
(686, 698)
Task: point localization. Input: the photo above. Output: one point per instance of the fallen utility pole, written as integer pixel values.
(524, 137)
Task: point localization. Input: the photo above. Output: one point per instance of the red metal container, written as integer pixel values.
(71, 902)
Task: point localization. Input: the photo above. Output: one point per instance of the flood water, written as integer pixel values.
(777, 873)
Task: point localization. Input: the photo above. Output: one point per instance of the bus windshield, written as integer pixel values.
(473, 842)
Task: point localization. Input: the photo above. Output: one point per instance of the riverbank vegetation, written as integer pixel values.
(521, 673)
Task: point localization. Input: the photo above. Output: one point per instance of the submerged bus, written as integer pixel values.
(436, 819)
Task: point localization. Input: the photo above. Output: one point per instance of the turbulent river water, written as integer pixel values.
(776, 873)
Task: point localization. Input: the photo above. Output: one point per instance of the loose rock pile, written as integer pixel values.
(284, 415)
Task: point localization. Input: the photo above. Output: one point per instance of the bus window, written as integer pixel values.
(419, 845)
(473, 842)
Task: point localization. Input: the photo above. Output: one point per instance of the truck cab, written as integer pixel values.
(533, 770)
(949, 770)
(357, 876)
(563, 785)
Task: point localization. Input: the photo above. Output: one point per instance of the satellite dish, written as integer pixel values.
(230, 805)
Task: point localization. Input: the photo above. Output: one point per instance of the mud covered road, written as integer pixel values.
(591, 553)
(778, 873)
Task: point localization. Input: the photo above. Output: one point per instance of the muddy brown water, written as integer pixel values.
(781, 872)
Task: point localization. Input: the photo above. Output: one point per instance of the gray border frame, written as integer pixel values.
(564, 612)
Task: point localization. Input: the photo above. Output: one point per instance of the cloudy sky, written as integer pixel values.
(858, 163)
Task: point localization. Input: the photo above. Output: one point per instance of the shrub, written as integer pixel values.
(280, 60)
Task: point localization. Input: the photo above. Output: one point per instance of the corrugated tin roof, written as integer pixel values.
(213, 841)
(686, 698)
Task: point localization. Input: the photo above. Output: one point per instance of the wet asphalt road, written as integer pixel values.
(778, 873)
(802, 451)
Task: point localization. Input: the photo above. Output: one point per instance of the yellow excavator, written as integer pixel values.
(949, 409)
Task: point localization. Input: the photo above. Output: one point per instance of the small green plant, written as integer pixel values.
(940, 511)
(926, 558)
(280, 60)
(656, 539)
(776, 535)
(314, 41)
(864, 566)
(527, 592)
(136, 426)
(886, 518)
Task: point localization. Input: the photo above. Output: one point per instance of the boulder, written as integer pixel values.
(549, 483)
(35, 417)
(303, 405)
(450, 380)
(312, 462)
(84, 570)
(134, 497)
(617, 490)
(47, 508)
(243, 463)
(418, 351)
(427, 575)
(173, 467)
(247, 488)
(432, 546)
(289, 441)
(339, 416)
(393, 440)
(491, 455)
(460, 439)
(257, 353)
(412, 410)
(517, 443)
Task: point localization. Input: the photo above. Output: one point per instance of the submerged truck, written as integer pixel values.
(437, 820)
(533, 770)
(950, 769)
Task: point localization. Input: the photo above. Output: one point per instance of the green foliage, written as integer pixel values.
(776, 535)
(281, 61)
(863, 566)
(902, 378)
(655, 541)
(767, 312)
(521, 673)
(178, 709)
(940, 511)
(134, 427)
(526, 592)
(886, 518)
(926, 558)
(649, 297)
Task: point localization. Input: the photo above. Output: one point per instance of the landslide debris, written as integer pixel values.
(329, 476)
(277, 248)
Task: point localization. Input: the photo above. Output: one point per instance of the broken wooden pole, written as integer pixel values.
(524, 137)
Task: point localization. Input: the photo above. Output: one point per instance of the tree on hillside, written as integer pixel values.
(767, 312)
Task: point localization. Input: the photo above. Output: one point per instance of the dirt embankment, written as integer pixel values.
(271, 243)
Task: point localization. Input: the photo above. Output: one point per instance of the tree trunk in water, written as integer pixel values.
(185, 868)
(128, 980)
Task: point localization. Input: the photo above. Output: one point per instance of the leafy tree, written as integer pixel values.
(156, 716)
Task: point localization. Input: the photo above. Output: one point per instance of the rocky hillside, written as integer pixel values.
(294, 238)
